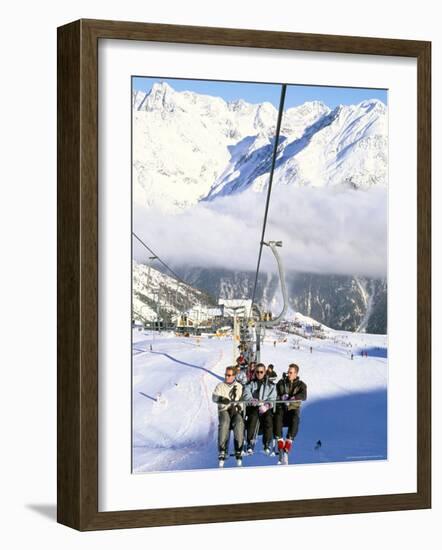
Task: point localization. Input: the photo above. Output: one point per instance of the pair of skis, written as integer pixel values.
(221, 462)
(283, 457)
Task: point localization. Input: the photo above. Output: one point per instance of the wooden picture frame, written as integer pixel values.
(77, 226)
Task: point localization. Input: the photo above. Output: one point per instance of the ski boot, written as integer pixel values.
(280, 446)
(287, 449)
(221, 459)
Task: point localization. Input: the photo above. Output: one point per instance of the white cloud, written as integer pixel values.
(323, 231)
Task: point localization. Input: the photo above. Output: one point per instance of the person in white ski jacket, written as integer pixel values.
(226, 394)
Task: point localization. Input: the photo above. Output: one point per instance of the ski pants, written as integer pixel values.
(266, 422)
(237, 423)
(285, 417)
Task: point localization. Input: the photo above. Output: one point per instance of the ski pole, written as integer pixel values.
(255, 435)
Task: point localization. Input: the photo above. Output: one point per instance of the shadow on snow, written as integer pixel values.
(175, 360)
(351, 427)
(148, 396)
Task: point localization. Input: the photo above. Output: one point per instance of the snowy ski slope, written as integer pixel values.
(175, 421)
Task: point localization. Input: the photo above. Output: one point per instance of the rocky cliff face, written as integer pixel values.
(338, 301)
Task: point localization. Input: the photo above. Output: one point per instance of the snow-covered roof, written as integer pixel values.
(231, 305)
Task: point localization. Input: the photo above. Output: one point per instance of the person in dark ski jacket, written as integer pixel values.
(229, 413)
(250, 372)
(271, 374)
(259, 392)
(241, 368)
(293, 391)
(241, 360)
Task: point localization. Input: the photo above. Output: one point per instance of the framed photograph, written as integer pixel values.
(244, 292)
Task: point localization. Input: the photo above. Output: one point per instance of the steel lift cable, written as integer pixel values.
(269, 190)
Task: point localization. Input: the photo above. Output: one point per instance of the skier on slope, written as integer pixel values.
(229, 414)
(292, 390)
(260, 392)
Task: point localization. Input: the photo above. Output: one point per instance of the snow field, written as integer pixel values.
(175, 421)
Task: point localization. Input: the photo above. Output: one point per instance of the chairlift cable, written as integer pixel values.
(272, 169)
(160, 260)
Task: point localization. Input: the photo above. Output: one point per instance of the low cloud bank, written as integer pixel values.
(324, 231)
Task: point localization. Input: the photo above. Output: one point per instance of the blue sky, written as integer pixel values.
(257, 93)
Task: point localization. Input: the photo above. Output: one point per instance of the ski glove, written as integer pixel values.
(223, 400)
(254, 402)
(285, 397)
(234, 410)
(264, 408)
(293, 398)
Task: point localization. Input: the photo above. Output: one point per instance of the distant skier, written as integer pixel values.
(229, 414)
(274, 343)
(241, 360)
(259, 392)
(292, 390)
(311, 349)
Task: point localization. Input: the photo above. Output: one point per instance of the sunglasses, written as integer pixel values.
(260, 371)
(229, 375)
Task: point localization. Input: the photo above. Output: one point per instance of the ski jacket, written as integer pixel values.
(266, 392)
(250, 374)
(296, 389)
(232, 391)
(271, 375)
(241, 377)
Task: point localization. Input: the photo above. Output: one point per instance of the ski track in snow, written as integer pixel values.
(162, 453)
(346, 406)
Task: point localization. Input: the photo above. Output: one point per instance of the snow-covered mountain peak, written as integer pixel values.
(309, 108)
(369, 107)
(161, 88)
(190, 147)
(238, 105)
(265, 118)
(161, 96)
(297, 119)
(377, 104)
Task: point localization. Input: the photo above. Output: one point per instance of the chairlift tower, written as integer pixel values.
(261, 323)
(236, 331)
(273, 245)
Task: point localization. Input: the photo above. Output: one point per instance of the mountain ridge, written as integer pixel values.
(183, 143)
